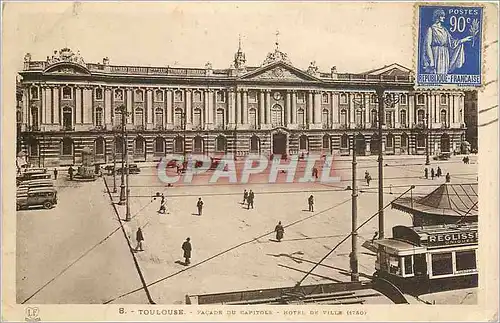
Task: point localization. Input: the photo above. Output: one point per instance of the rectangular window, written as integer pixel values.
(301, 97)
(252, 97)
(465, 260)
(324, 98)
(403, 99)
(408, 265)
(443, 99)
(394, 267)
(442, 264)
(221, 96)
(420, 99)
(98, 94)
(34, 93)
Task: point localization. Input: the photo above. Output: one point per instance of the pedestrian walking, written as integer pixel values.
(186, 247)
(310, 201)
(163, 203)
(315, 172)
(432, 173)
(279, 231)
(55, 173)
(368, 178)
(426, 173)
(70, 172)
(199, 205)
(439, 173)
(448, 177)
(245, 196)
(139, 237)
(250, 199)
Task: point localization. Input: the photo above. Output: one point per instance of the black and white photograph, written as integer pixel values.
(250, 161)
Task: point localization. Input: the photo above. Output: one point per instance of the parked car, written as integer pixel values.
(40, 196)
(442, 156)
(32, 176)
(132, 169)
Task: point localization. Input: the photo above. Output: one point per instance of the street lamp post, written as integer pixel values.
(124, 152)
(114, 163)
(427, 161)
(354, 237)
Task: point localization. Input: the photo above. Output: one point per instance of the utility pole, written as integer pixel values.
(114, 164)
(354, 238)
(380, 96)
(427, 161)
(127, 206)
(124, 149)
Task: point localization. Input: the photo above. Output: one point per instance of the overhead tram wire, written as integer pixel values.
(225, 251)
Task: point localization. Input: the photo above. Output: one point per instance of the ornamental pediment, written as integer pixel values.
(67, 68)
(279, 72)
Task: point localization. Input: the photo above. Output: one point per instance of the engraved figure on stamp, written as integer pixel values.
(442, 54)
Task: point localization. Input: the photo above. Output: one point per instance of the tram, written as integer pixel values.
(428, 259)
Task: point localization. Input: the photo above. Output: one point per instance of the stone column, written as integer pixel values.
(149, 108)
(245, 107)
(366, 105)
(169, 98)
(317, 107)
(352, 109)
(411, 110)
(309, 108)
(188, 107)
(238, 107)
(335, 107)
(47, 104)
(210, 107)
(128, 104)
(232, 108)
(78, 106)
(87, 106)
(107, 107)
(262, 111)
(288, 108)
(57, 108)
(26, 112)
(268, 106)
(293, 115)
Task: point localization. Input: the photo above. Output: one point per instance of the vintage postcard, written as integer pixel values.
(249, 161)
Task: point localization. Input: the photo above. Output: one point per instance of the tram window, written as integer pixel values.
(442, 264)
(394, 265)
(465, 260)
(408, 265)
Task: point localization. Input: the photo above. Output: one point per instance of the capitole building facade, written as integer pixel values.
(276, 108)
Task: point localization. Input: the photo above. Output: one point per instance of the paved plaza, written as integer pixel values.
(233, 248)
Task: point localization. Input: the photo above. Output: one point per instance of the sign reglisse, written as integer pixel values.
(453, 238)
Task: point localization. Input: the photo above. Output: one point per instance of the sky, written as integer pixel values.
(354, 37)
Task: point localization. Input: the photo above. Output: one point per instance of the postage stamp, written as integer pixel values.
(449, 45)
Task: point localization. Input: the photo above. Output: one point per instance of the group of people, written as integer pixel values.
(248, 198)
(437, 173)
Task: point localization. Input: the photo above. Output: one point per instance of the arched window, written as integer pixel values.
(254, 145)
(178, 145)
(402, 118)
(359, 117)
(99, 146)
(220, 144)
(196, 96)
(421, 117)
(139, 96)
(344, 141)
(301, 117)
(442, 117)
(118, 95)
(404, 140)
(325, 120)
(139, 146)
(343, 98)
(252, 117)
(197, 119)
(277, 115)
(159, 145)
(99, 94)
(390, 141)
(119, 145)
(178, 122)
(219, 119)
(198, 144)
(67, 93)
(343, 117)
(117, 117)
(420, 140)
(67, 118)
(98, 116)
(34, 93)
(303, 142)
(158, 96)
(159, 117)
(178, 97)
(67, 147)
(373, 118)
(139, 117)
(326, 142)
(325, 98)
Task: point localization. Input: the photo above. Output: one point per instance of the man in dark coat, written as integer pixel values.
(186, 247)
(245, 196)
(368, 178)
(448, 177)
(432, 173)
(70, 172)
(199, 205)
(55, 173)
(439, 172)
(163, 207)
(250, 199)
(426, 173)
(279, 231)
(310, 201)
(315, 172)
(140, 238)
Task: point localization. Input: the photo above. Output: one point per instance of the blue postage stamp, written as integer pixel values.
(449, 45)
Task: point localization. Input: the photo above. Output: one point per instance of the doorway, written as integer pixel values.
(279, 144)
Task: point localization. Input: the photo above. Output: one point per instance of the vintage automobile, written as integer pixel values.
(132, 169)
(32, 175)
(442, 156)
(37, 196)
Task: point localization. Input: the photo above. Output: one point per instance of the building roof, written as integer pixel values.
(458, 200)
